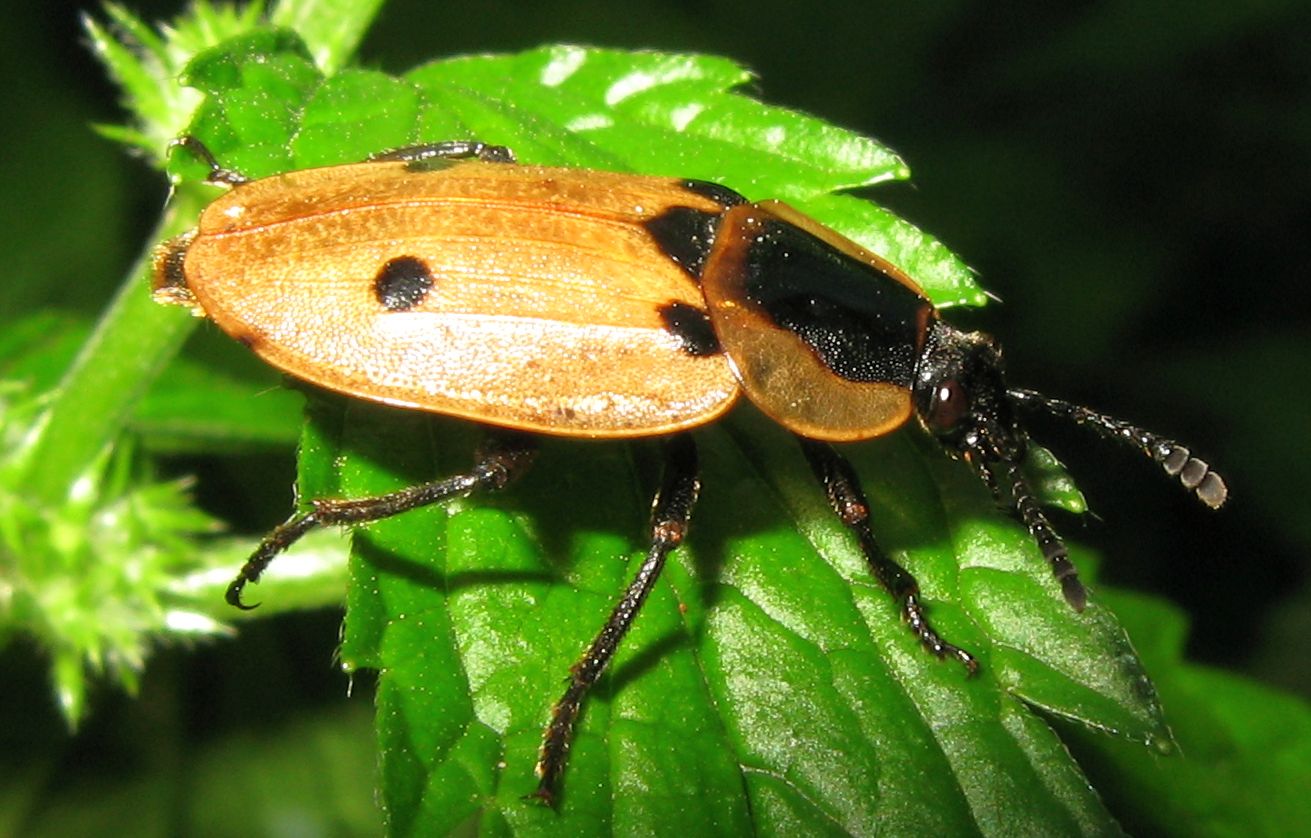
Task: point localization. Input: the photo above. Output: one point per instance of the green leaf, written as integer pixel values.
(331, 28)
(1051, 482)
(145, 63)
(1246, 749)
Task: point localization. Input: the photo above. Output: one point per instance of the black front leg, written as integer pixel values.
(670, 514)
(848, 501)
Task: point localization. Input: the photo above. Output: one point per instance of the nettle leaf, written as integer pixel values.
(768, 684)
(1247, 747)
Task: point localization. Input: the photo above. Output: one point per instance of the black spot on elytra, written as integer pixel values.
(692, 326)
(402, 283)
(685, 235)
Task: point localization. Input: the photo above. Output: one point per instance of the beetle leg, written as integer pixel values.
(448, 150)
(217, 174)
(503, 457)
(1035, 520)
(670, 514)
(848, 501)
(1177, 461)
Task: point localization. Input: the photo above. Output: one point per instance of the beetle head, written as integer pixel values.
(961, 397)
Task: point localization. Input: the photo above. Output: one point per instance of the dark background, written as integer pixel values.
(1131, 178)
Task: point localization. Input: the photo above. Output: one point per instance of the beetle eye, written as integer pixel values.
(950, 402)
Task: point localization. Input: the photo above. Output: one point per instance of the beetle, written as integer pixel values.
(449, 278)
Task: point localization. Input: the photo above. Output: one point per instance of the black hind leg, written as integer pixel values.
(669, 520)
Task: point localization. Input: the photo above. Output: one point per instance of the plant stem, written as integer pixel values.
(134, 339)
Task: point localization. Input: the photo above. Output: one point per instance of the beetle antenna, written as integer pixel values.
(1176, 460)
(1035, 520)
(217, 174)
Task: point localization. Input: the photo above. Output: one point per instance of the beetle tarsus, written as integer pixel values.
(1074, 592)
(542, 796)
(913, 613)
(233, 595)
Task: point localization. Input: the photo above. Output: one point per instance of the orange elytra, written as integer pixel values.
(451, 279)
